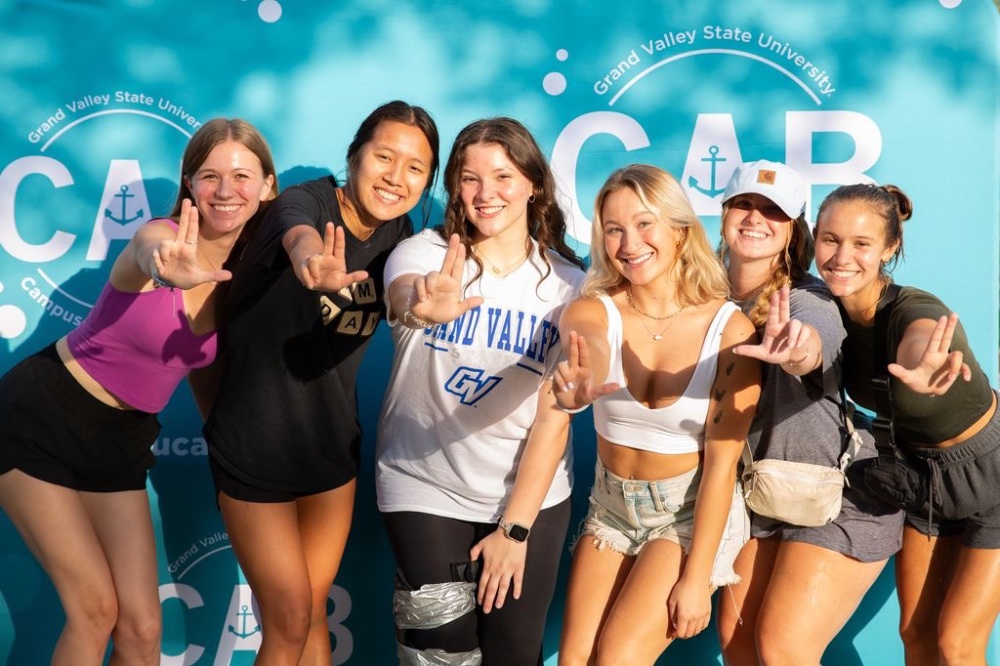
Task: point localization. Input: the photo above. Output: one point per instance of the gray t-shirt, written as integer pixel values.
(798, 418)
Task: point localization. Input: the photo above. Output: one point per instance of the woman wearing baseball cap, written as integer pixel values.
(799, 585)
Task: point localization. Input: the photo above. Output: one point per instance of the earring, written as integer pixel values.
(531, 199)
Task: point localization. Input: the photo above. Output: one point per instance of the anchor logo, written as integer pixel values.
(244, 614)
(124, 219)
(712, 191)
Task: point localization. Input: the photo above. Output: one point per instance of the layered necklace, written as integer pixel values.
(667, 318)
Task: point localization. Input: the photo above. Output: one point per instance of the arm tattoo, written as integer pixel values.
(719, 393)
(729, 368)
(718, 417)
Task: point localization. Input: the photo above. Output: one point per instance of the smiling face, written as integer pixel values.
(755, 229)
(494, 193)
(851, 250)
(228, 188)
(639, 245)
(392, 172)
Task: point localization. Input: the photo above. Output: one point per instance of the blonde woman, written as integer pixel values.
(651, 345)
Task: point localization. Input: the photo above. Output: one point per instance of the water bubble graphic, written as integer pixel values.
(554, 83)
(269, 11)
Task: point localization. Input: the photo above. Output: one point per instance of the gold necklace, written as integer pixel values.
(670, 318)
(496, 269)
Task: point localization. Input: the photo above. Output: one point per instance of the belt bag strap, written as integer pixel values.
(882, 428)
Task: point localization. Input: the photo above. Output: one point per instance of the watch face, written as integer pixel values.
(517, 532)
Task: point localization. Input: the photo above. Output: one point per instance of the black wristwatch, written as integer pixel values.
(514, 531)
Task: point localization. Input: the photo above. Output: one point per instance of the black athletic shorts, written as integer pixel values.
(51, 428)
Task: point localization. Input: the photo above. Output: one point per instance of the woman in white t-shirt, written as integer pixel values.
(473, 466)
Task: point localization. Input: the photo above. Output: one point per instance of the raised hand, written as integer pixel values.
(176, 260)
(437, 296)
(573, 379)
(938, 368)
(327, 271)
(784, 339)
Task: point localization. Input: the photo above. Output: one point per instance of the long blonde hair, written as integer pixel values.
(699, 275)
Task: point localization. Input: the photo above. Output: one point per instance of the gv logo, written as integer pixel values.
(468, 384)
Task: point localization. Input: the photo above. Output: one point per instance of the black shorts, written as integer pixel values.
(228, 483)
(966, 477)
(51, 428)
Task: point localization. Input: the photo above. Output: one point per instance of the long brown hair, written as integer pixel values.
(546, 222)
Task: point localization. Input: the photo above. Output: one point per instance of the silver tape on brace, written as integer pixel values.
(432, 605)
(410, 657)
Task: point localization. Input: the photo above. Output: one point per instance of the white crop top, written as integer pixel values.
(677, 428)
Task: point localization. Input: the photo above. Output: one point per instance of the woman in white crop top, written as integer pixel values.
(650, 343)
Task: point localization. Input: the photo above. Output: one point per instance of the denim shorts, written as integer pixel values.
(626, 514)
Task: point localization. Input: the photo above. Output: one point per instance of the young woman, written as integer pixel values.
(799, 585)
(948, 571)
(283, 432)
(77, 419)
(473, 469)
(651, 344)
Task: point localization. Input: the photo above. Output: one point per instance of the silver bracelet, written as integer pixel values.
(410, 318)
(571, 411)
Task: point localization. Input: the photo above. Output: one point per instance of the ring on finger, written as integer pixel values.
(187, 242)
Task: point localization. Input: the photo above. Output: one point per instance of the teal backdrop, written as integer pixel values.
(98, 98)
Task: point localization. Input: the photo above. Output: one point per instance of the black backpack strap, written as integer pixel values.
(882, 428)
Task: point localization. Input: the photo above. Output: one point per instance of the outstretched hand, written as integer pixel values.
(574, 379)
(938, 367)
(176, 260)
(327, 271)
(437, 296)
(784, 339)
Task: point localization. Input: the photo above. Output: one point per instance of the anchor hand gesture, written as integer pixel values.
(938, 367)
(785, 340)
(437, 296)
(327, 270)
(573, 378)
(175, 261)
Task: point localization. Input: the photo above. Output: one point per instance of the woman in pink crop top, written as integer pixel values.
(665, 521)
(77, 419)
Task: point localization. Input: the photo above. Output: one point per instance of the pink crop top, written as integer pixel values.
(139, 345)
(677, 428)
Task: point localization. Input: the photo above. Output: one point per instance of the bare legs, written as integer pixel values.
(290, 553)
(949, 598)
(99, 551)
(794, 599)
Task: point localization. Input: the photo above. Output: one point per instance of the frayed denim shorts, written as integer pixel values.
(626, 514)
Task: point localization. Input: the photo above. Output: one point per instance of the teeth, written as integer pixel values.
(638, 260)
(755, 235)
(489, 210)
(228, 208)
(389, 196)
